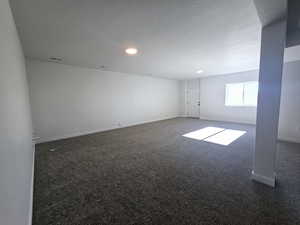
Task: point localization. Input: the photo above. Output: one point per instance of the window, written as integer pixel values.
(241, 94)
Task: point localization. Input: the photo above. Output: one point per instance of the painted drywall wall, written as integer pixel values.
(70, 101)
(16, 150)
(273, 41)
(289, 116)
(212, 98)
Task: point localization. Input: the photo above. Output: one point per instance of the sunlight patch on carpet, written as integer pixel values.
(216, 135)
(203, 133)
(225, 137)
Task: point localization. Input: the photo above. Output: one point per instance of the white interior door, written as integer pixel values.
(193, 98)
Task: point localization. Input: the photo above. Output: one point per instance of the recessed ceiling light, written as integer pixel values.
(131, 51)
(199, 71)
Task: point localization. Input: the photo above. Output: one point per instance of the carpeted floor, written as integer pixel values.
(150, 174)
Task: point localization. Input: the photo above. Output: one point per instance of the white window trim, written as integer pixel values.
(239, 105)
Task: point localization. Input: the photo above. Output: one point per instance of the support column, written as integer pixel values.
(270, 76)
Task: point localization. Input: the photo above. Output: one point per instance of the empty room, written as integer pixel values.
(149, 112)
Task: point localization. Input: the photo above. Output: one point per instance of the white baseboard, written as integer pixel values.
(227, 120)
(270, 181)
(78, 134)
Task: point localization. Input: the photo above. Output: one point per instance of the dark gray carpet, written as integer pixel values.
(150, 174)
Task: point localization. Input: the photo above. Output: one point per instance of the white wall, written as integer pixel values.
(69, 101)
(289, 117)
(212, 98)
(16, 150)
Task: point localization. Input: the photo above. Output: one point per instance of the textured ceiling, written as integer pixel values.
(175, 38)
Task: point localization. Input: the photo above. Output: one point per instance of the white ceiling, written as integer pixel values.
(175, 38)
